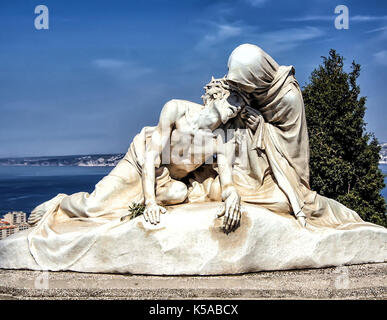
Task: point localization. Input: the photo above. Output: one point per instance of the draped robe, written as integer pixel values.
(282, 135)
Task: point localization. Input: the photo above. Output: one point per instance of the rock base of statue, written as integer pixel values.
(190, 241)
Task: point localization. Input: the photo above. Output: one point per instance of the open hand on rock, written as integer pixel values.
(152, 213)
(231, 212)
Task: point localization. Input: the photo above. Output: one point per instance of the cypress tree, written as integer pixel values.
(343, 156)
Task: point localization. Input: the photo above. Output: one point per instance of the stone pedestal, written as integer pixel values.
(351, 282)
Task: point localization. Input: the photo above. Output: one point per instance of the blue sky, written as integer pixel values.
(104, 69)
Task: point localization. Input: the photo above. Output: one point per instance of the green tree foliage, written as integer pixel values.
(344, 157)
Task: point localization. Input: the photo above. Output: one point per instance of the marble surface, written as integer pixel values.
(190, 241)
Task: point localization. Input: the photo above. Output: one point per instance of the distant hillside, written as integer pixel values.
(93, 160)
(98, 160)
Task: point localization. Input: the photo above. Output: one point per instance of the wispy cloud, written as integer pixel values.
(365, 18)
(121, 69)
(381, 57)
(285, 39)
(377, 30)
(257, 3)
(220, 33)
(311, 18)
(294, 34)
(109, 63)
(356, 18)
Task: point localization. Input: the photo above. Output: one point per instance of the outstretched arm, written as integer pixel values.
(159, 140)
(230, 196)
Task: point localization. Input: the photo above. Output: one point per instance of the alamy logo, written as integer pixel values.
(42, 280)
(341, 278)
(42, 20)
(342, 20)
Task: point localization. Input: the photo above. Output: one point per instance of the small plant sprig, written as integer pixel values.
(135, 210)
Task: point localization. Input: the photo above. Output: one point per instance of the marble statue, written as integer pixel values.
(224, 188)
(143, 176)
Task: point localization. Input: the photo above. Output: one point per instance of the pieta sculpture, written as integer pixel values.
(220, 188)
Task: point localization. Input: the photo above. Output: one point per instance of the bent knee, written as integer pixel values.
(175, 193)
(179, 191)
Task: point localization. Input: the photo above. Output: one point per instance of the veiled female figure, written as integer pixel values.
(280, 140)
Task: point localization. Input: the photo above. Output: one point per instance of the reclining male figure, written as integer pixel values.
(145, 176)
(181, 125)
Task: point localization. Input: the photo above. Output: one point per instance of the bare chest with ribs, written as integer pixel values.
(189, 148)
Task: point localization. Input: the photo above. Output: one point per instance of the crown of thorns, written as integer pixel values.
(216, 88)
(217, 83)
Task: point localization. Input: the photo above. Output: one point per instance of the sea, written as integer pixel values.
(22, 188)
